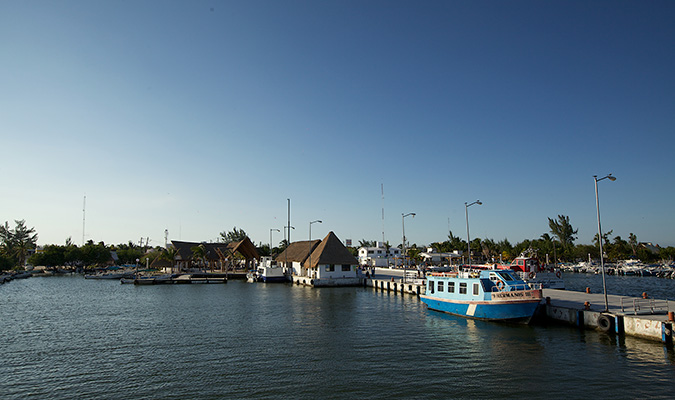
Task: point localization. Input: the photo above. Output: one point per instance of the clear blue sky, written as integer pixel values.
(198, 116)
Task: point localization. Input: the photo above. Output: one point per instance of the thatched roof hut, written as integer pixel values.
(244, 247)
(330, 251)
(297, 251)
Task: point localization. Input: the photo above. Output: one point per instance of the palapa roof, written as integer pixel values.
(331, 251)
(297, 251)
(244, 247)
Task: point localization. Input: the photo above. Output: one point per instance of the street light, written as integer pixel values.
(468, 239)
(288, 244)
(272, 229)
(310, 241)
(404, 254)
(602, 263)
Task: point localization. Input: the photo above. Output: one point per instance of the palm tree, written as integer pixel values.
(563, 230)
(199, 253)
(632, 240)
(16, 243)
(170, 255)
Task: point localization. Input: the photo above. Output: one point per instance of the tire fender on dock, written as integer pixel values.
(605, 323)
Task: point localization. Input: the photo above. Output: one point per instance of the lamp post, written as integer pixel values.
(272, 229)
(602, 263)
(468, 238)
(404, 253)
(310, 241)
(288, 243)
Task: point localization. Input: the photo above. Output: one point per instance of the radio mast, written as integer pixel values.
(382, 189)
(84, 207)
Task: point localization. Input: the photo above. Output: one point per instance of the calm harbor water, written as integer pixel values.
(67, 337)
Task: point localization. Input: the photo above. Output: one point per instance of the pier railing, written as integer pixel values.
(644, 306)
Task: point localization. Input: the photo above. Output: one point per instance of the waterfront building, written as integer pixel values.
(216, 256)
(329, 263)
(432, 257)
(380, 256)
(294, 256)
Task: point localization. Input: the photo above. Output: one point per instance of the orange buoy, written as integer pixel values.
(588, 290)
(644, 295)
(587, 305)
(671, 316)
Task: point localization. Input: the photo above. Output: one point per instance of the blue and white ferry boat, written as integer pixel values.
(493, 295)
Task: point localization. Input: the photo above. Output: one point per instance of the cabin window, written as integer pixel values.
(451, 287)
(330, 268)
(462, 288)
(371, 251)
(440, 286)
(346, 267)
(506, 276)
(431, 286)
(379, 252)
(476, 291)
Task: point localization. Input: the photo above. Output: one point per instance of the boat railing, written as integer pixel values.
(517, 287)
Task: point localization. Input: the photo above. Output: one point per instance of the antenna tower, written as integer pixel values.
(382, 190)
(84, 207)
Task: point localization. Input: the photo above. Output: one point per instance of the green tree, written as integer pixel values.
(367, 243)
(5, 263)
(199, 254)
(235, 235)
(15, 244)
(170, 255)
(566, 234)
(95, 254)
(633, 242)
(50, 256)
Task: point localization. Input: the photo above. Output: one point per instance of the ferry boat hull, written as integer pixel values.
(508, 311)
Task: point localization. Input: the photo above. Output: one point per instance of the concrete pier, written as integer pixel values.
(394, 285)
(641, 317)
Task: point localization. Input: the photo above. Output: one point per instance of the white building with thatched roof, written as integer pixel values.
(328, 264)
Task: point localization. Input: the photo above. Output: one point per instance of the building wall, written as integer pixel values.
(379, 256)
(323, 271)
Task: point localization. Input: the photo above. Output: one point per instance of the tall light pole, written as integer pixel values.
(288, 243)
(468, 238)
(404, 253)
(602, 263)
(272, 229)
(310, 241)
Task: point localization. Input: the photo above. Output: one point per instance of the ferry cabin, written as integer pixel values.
(464, 285)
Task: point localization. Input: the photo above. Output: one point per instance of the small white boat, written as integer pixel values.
(268, 271)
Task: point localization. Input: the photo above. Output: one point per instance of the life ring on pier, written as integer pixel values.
(558, 274)
(531, 275)
(500, 285)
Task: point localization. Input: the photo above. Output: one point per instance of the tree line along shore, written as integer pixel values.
(18, 248)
